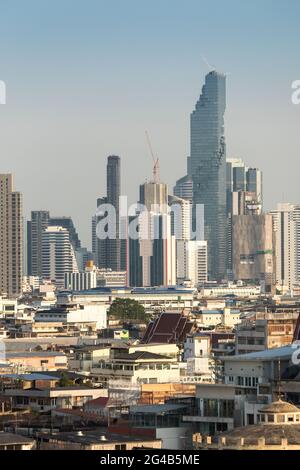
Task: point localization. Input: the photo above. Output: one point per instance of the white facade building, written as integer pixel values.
(81, 281)
(58, 255)
(192, 261)
(284, 230)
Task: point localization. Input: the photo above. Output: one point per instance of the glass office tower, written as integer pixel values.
(208, 169)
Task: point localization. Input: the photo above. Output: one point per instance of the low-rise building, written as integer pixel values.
(226, 317)
(100, 439)
(37, 360)
(137, 368)
(10, 441)
(50, 398)
(83, 317)
(265, 330)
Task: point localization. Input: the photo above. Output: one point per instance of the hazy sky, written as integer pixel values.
(86, 78)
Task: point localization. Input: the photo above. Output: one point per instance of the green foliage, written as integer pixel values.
(65, 381)
(127, 310)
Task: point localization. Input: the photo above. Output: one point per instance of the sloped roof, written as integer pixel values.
(280, 407)
(168, 328)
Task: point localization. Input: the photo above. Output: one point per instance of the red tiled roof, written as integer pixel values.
(168, 328)
(99, 402)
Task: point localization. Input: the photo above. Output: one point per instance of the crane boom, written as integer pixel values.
(155, 169)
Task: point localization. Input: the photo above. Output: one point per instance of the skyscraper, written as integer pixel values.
(286, 226)
(58, 255)
(253, 249)
(35, 227)
(208, 169)
(111, 253)
(113, 181)
(184, 188)
(11, 237)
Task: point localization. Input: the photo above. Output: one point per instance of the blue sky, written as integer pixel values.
(86, 78)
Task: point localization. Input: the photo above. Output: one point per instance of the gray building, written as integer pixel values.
(11, 237)
(253, 249)
(111, 253)
(208, 168)
(35, 227)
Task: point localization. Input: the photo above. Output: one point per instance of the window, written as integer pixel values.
(120, 447)
(280, 419)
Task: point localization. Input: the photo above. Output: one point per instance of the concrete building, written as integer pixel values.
(184, 188)
(109, 278)
(284, 226)
(208, 169)
(37, 360)
(153, 299)
(50, 398)
(253, 255)
(11, 238)
(278, 428)
(197, 353)
(226, 317)
(12, 441)
(231, 289)
(35, 227)
(153, 251)
(77, 317)
(79, 281)
(98, 440)
(265, 330)
(192, 261)
(181, 217)
(163, 422)
(216, 409)
(136, 368)
(58, 256)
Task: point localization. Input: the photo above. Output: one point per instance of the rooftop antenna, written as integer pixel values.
(209, 66)
(155, 169)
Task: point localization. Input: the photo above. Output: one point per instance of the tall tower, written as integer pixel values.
(58, 255)
(111, 253)
(113, 182)
(208, 168)
(11, 238)
(35, 227)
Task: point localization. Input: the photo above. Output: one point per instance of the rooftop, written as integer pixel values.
(284, 352)
(156, 409)
(101, 435)
(280, 407)
(11, 439)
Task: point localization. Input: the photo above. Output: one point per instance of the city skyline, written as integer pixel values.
(96, 105)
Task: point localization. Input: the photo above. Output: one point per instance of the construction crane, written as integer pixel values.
(155, 168)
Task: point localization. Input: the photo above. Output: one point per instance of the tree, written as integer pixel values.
(127, 309)
(65, 381)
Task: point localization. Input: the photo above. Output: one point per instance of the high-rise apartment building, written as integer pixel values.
(184, 188)
(192, 261)
(286, 224)
(35, 228)
(181, 217)
(253, 249)
(152, 259)
(58, 255)
(154, 196)
(11, 238)
(208, 169)
(111, 252)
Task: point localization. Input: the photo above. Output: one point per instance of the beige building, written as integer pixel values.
(253, 249)
(278, 428)
(265, 330)
(11, 238)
